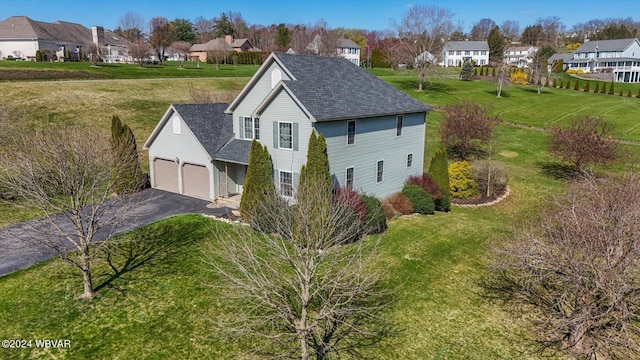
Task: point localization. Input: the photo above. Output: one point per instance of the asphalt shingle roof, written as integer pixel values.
(466, 45)
(605, 45)
(236, 151)
(333, 88)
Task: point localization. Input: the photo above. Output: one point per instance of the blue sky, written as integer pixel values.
(369, 14)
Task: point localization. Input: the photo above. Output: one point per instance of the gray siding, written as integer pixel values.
(254, 97)
(283, 108)
(376, 140)
(184, 146)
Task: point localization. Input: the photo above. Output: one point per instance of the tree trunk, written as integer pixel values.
(89, 292)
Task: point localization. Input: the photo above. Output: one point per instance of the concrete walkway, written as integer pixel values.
(152, 205)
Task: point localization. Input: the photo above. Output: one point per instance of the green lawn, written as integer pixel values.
(162, 308)
(85, 70)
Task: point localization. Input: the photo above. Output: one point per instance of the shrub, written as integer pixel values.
(586, 86)
(375, 215)
(611, 90)
(38, 55)
(568, 85)
(387, 208)
(491, 178)
(427, 183)
(576, 87)
(603, 90)
(461, 181)
(400, 204)
(559, 84)
(420, 199)
(493, 72)
(346, 196)
(597, 89)
(466, 73)
(629, 93)
(519, 78)
(439, 172)
(475, 71)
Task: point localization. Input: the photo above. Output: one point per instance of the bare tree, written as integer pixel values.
(425, 29)
(552, 28)
(466, 128)
(182, 49)
(66, 173)
(502, 79)
(139, 50)
(511, 30)
(587, 140)
(204, 29)
(481, 29)
(574, 271)
(301, 284)
(94, 54)
(131, 26)
(161, 36)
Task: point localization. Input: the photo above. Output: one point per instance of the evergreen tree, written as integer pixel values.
(559, 84)
(475, 71)
(283, 37)
(568, 85)
(611, 90)
(576, 87)
(629, 93)
(603, 90)
(466, 73)
(493, 72)
(586, 86)
(316, 170)
(597, 89)
(258, 184)
(496, 43)
(439, 172)
(126, 173)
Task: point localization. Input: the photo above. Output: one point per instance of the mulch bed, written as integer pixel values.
(480, 200)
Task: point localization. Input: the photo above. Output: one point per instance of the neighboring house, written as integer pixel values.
(565, 57)
(226, 44)
(620, 57)
(21, 36)
(349, 50)
(456, 53)
(374, 132)
(425, 57)
(520, 56)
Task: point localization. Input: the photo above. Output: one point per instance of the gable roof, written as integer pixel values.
(466, 45)
(212, 128)
(213, 45)
(62, 32)
(346, 43)
(605, 45)
(333, 88)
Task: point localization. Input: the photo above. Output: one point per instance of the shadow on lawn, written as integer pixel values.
(557, 171)
(145, 254)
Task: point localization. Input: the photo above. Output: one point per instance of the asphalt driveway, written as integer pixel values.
(152, 205)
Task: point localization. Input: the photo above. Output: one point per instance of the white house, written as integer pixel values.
(349, 50)
(620, 57)
(455, 53)
(520, 56)
(374, 132)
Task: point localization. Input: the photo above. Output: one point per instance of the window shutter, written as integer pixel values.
(275, 135)
(241, 127)
(295, 136)
(296, 181)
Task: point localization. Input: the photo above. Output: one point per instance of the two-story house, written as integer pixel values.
(456, 53)
(621, 57)
(374, 132)
(349, 50)
(520, 56)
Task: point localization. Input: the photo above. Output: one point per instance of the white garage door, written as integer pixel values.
(195, 181)
(165, 175)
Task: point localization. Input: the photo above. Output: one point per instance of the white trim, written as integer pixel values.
(346, 176)
(377, 171)
(355, 130)
(401, 118)
(280, 183)
(280, 135)
(407, 160)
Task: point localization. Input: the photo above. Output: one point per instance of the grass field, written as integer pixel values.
(28, 70)
(162, 309)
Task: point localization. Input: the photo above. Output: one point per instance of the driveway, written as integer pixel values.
(153, 205)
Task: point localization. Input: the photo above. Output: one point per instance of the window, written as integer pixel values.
(349, 177)
(451, 52)
(409, 160)
(351, 132)
(285, 135)
(399, 120)
(286, 183)
(380, 171)
(458, 52)
(475, 52)
(276, 76)
(250, 128)
(483, 52)
(467, 52)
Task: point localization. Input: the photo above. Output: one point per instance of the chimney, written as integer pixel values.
(228, 39)
(98, 35)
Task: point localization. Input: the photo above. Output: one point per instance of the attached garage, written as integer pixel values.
(165, 175)
(195, 180)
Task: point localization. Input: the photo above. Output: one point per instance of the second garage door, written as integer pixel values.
(195, 181)
(165, 175)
